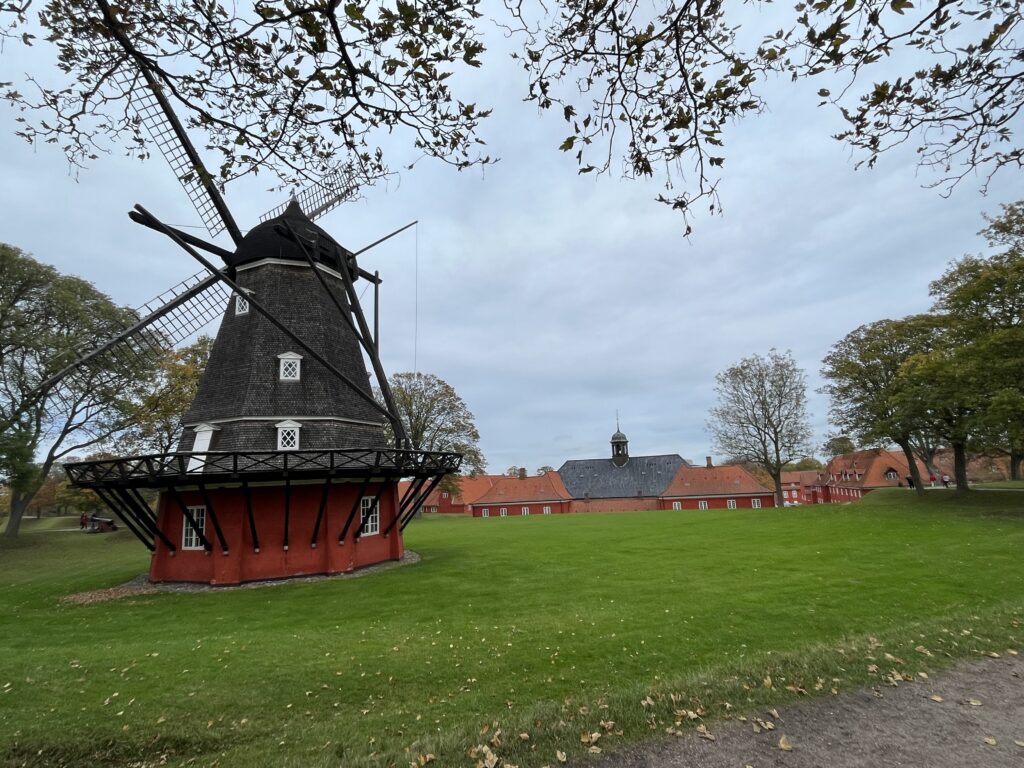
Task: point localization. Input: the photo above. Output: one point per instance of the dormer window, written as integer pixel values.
(290, 366)
(241, 305)
(288, 435)
(204, 436)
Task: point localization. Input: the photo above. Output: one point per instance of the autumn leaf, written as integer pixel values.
(936, 697)
(785, 745)
(561, 756)
(990, 741)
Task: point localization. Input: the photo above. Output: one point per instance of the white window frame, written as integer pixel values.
(702, 504)
(444, 495)
(241, 305)
(524, 511)
(547, 510)
(284, 430)
(189, 538)
(677, 506)
(289, 366)
(503, 511)
(204, 435)
(369, 515)
(485, 512)
(755, 503)
(730, 503)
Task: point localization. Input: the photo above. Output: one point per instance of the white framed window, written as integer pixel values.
(702, 504)
(241, 305)
(755, 503)
(289, 366)
(444, 495)
(785, 494)
(503, 511)
(288, 435)
(677, 505)
(731, 503)
(525, 511)
(371, 516)
(547, 510)
(204, 434)
(485, 513)
(190, 537)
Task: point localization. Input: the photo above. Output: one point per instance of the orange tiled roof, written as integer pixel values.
(472, 488)
(510, 490)
(867, 469)
(714, 481)
(801, 477)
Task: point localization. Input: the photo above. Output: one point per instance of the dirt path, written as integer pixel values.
(979, 721)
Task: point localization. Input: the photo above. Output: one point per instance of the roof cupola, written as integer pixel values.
(620, 446)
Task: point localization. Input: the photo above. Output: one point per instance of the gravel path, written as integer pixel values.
(971, 715)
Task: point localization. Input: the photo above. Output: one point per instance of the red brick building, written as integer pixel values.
(711, 487)
(851, 476)
(798, 486)
(523, 496)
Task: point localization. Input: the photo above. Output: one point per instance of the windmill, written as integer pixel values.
(284, 466)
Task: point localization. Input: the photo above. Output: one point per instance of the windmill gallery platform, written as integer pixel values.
(284, 466)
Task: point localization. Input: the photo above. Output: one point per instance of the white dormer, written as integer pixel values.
(204, 435)
(289, 366)
(288, 435)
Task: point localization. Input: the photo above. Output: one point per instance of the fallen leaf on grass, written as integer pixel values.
(990, 741)
(561, 756)
(594, 750)
(702, 731)
(1018, 743)
(974, 702)
(785, 745)
(936, 697)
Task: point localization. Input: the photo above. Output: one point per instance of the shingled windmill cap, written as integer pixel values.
(270, 240)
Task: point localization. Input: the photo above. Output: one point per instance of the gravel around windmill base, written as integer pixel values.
(971, 715)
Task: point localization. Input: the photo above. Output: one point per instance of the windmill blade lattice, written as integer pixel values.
(326, 195)
(171, 143)
(161, 324)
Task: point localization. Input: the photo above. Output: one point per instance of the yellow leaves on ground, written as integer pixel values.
(936, 697)
(784, 744)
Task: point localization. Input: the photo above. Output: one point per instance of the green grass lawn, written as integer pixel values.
(542, 626)
(1002, 485)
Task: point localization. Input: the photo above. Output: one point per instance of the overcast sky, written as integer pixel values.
(550, 300)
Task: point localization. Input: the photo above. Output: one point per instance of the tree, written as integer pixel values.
(155, 421)
(45, 319)
(869, 398)
(297, 89)
(804, 464)
(513, 471)
(838, 445)
(437, 419)
(544, 470)
(761, 414)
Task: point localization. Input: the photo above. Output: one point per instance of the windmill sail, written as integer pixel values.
(333, 189)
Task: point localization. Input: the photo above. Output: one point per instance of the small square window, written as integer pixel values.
(192, 538)
(503, 511)
(288, 435)
(702, 504)
(371, 516)
(731, 503)
(485, 513)
(755, 503)
(289, 370)
(241, 305)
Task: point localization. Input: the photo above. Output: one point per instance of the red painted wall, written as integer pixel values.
(722, 502)
(638, 504)
(516, 509)
(273, 561)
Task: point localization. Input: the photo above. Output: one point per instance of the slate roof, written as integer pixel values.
(601, 479)
(242, 379)
(726, 480)
(514, 490)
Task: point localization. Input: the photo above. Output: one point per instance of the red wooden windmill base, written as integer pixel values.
(229, 518)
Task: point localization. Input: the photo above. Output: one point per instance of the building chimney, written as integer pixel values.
(522, 473)
(710, 465)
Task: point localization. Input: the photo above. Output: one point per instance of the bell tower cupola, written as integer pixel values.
(620, 446)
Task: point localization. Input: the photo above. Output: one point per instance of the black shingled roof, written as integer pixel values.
(601, 479)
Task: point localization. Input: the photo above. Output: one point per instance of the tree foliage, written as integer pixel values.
(761, 416)
(837, 445)
(45, 320)
(436, 418)
(646, 88)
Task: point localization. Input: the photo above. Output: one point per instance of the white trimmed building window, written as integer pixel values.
(371, 516)
(289, 366)
(547, 510)
(731, 503)
(503, 511)
(241, 305)
(755, 503)
(288, 435)
(485, 512)
(190, 537)
(204, 435)
(526, 511)
(702, 504)
(677, 505)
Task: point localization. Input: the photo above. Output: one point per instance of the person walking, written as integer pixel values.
(83, 521)
(945, 481)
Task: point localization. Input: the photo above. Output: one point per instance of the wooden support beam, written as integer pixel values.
(153, 523)
(213, 519)
(355, 508)
(287, 508)
(412, 512)
(252, 520)
(376, 505)
(188, 516)
(114, 507)
(320, 512)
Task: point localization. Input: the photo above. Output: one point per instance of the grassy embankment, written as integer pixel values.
(544, 626)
